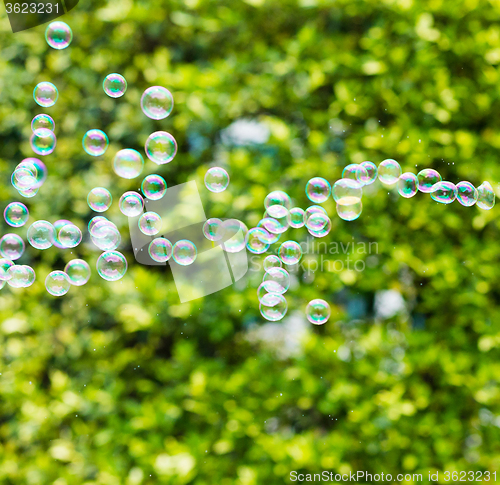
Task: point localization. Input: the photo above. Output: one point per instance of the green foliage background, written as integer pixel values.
(121, 384)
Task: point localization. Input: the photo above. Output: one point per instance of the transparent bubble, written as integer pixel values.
(281, 215)
(131, 204)
(407, 185)
(157, 102)
(216, 179)
(485, 196)
(389, 171)
(313, 209)
(317, 221)
(272, 261)
(272, 230)
(37, 169)
(114, 85)
(11, 247)
(444, 192)
(236, 233)
(93, 223)
(318, 190)
(318, 311)
(70, 236)
(290, 252)
(154, 187)
(20, 276)
(99, 199)
(57, 283)
(371, 171)
(324, 230)
(350, 212)
(466, 194)
(58, 225)
(277, 280)
(184, 252)
(150, 223)
(256, 238)
(347, 192)
(160, 250)
(262, 291)
(278, 197)
(95, 142)
(105, 235)
(43, 141)
(213, 229)
(273, 306)
(128, 163)
(161, 147)
(296, 217)
(45, 94)
(31, 276)
(58, 35)
(42, 121)
(41, 234)
(78, 272)
(111, 265)
(23, 178)
(16, 214)
(426, 180)
(5, 264)
(356, 172)
(28, 193)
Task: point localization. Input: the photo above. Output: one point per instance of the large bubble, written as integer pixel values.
(290, 252)
(131, 204)
(407, 185)
(216, 179)
(11, 246)
(99, 199)
(78, 272)
(111, 265)
(444, 192)
(273, 306)
(128, 163)
(57, 283)
(160, 250)
(150, 223)
(114, 85)
(318, 190)
(157, 102)
(161, 147)
(184, 252)
(58, 35)
(42, 121)
(389, 171)
(95, 142)
(466, 194)
(43, 141)
(16, 214)
(154, 187)
(45, 94)
(41, 234)
(426, 180)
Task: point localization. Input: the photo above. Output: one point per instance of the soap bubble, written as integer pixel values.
(157, 102)
(237, 234)
(99, 199)
(70, 236)
(256, 238)
(41, 234)
(290, 252)
(95, 142)
(347, 192)
(485, 196)
(272, 228)
(45, 94)
(105, 235)
(281, 215)
(272, 261)
(21, 276)
(37, 169)
(357, 173)
(93, 223)
(213, 229)
(316, 221)
(389, 171)
(466, 194)
(262, 290)
(277, 280)
(5, 264)
(324, 229)
(131, 204)
(42, 121)
(58, 35)
(28, 193)
(350, 212)
(278, 197)
(114, 85)
(161, 147)
(407, 185)
(444, 192)
(31, 276)
(23, 178)
(216, 179)
(128, 163)
(78, 272)
(273, 307)
(58, 225)
(43, 141)
(150, 223)
(371, 171)
(154, 187)
(318, 190)
(296, 217)
(314, 209)
(426, 180)
(11, 246)
(16, 214)
(318, 311)
(160, 250)
(184, 252)
(57, 283)
(111, 265)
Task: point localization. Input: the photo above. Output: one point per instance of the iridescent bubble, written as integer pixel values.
(236, 233)
(157, 102)
(262, 291)
(213, 229)
(93, 223)
(317, 221)
(57, 283)
(426, 180)
(371, 171)
(11, 247)
(347, 192)
(43, 141)
(407, 185)
(277, 280)
(42, 121)
(37, 168)
(466, 194)
(58, 225)
(389, 171)
(131, 204)
(184, 252)
(45, 94)
(318, 190)
(313, 209)
(28, 193)
(128, 163)
(350, 212)
(290, 252)
(278, 197)
(16, 214)
(111, 265)
(20, 276)
(154, 187)
(273, 306)
(444, 192)
(70, 236)
(356, 172)
(114, 85)
(99, 199)
(95, 142)
(160, 250)
(485, 196)
(5, 264)
(318, 311)
(272, 230)
(281, 215)
(255, 243)
(58, 35)
(271, 261)
(23, 178)
(78, 272)
(161, 147)
(41, 234)
(105, 235)
(216, 179)
(150, 223)
(296, 217)
(31, 276)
